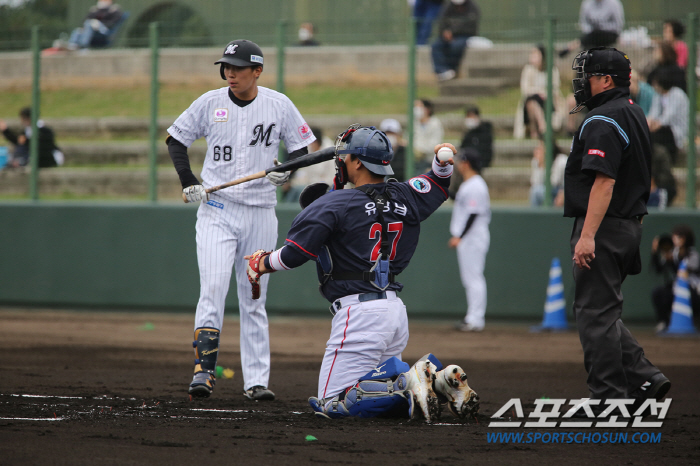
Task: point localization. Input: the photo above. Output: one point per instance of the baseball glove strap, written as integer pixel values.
(254, 271)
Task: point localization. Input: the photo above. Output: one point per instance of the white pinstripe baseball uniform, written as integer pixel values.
(242, 139)
(473, 198)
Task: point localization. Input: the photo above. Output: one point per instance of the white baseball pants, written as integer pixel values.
(224, 236)
(471, 256)
(363, 334)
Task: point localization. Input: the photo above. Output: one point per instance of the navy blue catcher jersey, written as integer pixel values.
(346, 221)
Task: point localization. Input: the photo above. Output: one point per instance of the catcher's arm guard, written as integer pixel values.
(254, 273)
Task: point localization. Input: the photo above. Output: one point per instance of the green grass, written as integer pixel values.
(173, 100)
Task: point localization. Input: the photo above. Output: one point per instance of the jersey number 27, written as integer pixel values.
(375, 231)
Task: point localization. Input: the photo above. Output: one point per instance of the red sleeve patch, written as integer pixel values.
(596, 152)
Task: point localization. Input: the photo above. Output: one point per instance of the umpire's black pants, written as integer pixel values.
(615, 362)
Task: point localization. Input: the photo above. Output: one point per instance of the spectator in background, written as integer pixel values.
(533, 94)
(427, 133)
(49, 153)
(556, 177)
(99, 23)
(306, 35)
(673, 33)
(319, 173)
(459, 20)
(537, 176)
(641, 93)
(478, 135)
(601, 22)
(425, 12)
(557, 174)
(658, 197)
(665, 62)
(665, 259)
(668, 117)
(393, 131)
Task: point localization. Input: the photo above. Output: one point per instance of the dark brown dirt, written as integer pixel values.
(108, 388)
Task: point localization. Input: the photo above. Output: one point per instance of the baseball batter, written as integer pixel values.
(243, 125)
(362, 239)
(470, 236)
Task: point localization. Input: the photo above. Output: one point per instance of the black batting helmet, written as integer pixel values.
(240, 52)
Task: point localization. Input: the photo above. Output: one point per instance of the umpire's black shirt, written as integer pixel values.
(613, 140)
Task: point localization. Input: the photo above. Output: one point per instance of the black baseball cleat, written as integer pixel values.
(259, 393)
(202, 385)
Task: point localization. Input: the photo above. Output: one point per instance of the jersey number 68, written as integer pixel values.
(227, 150)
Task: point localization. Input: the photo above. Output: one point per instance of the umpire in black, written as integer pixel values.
(607, 184)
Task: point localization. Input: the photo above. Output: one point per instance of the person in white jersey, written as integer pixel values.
(243, 124)
(469, 228)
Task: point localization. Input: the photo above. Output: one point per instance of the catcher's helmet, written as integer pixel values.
(599, 61)
(240, 52)
(370, 145)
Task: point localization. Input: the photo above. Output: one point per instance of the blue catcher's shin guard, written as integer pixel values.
(206, 351)
(382, 391)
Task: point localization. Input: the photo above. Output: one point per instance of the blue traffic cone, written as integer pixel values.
(681, 312)
(555, 306)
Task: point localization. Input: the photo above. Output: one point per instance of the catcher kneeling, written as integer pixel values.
(395, 389)
(361, 239)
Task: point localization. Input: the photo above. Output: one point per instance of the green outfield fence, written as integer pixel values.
(142, 256)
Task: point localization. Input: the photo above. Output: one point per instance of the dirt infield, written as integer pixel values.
(110, 388)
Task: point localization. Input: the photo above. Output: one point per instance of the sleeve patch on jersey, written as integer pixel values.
(420, 184)
(305, 131)
(220, 115)
(596, 152)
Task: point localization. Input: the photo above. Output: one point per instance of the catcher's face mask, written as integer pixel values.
(341, 142)
(581, 84)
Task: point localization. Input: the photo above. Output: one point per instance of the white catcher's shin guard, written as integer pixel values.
(451, 384)
(420, 382)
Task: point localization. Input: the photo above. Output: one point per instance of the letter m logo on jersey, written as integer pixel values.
(261, 134)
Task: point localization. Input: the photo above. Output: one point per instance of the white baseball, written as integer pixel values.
(445, 154)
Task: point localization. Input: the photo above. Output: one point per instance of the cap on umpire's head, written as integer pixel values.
(472, 156)
(240, 52)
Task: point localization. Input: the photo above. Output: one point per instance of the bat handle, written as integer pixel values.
(184, 198)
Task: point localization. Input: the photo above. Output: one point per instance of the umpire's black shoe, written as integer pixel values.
(655, 388)
(259, 393)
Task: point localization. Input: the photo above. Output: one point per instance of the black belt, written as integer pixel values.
(362, 297)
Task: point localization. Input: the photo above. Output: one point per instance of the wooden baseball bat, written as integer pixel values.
(300, 162)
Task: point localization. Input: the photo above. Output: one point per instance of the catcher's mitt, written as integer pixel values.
(254, 270)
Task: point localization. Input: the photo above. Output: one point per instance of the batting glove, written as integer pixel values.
(253, 270)
(277, 178)
(196, 193)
